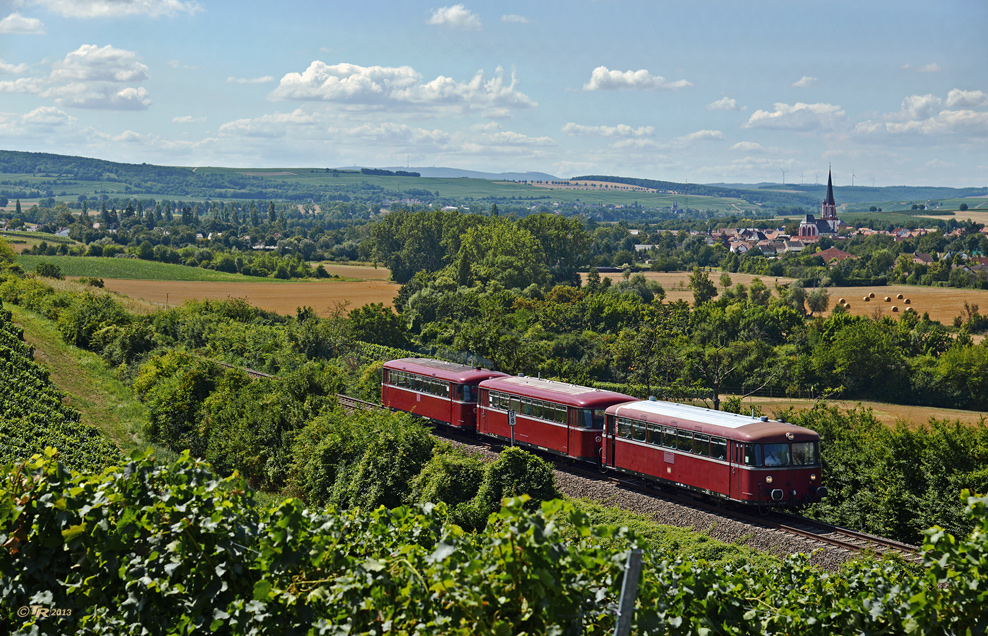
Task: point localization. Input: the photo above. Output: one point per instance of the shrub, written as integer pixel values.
(49, 270)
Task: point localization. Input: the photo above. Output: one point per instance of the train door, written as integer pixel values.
(735, 457)
(607, 448)
(482, 411)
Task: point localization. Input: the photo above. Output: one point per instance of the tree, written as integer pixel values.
(703, 288)
(272, 215)
(818, 300)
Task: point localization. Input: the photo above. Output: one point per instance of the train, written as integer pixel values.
(747, 460)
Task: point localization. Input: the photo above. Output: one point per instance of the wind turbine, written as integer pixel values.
(852, 177)
(783, 175)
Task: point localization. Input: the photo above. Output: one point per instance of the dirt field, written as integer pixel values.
(323, 296)
(942, 303)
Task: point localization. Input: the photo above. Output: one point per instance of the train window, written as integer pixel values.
(752, 454)
(701, 444)
(669, 438)
(718, 448)
(804, 454)
(561, 414)
(776, 454)
(654, 434)
(537, 408)
(624, 428)
(514, 404)
(526, 406)
(685, 441)
(639, 431)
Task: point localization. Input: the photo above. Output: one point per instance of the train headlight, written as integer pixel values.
(768, 480)
(812, 476)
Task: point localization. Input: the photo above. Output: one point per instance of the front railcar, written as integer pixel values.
(440, 391)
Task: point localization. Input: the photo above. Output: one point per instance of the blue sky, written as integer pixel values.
(701, 91)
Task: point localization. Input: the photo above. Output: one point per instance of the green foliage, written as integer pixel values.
(89, 314)
(893, 481)
(162, 549)
(366, 458)
(379, 324)
(49, 270)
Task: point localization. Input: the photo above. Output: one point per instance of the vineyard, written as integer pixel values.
(32, 416)
(163, 549)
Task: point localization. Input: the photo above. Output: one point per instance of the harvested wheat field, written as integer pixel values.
(324, 296)
(888, 414)
(941, 303)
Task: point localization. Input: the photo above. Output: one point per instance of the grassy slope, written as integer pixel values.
(89, 384)
(132, 268)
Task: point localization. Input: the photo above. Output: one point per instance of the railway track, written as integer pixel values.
(813, 533)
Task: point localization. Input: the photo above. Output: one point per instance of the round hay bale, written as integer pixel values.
(847, 305)
(887, 299)
(907, 301)
(866, 299)
(899, 296)
(841, 301)
(894, 309)
(871, 295)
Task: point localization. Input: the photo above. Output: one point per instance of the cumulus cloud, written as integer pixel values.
(799, 117)
(91, 77)
(117, 8)
(966, 99)
(11, 69)
(267, 79)
(701, 135)
(16, 24)
(401, 86)
(724, 103)
(274, 125)
(188, 119)
(602, 79)
(748, 146)
(90, 63)
(806, 82)
(621, 130)
(47, 117)
(455, 17)
(962, 115)
(512, 17)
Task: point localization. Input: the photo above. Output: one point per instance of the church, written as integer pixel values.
(828, 225)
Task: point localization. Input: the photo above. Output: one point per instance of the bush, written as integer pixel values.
(49, 270)
(89, 314)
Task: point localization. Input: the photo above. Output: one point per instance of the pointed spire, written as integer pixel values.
(830, 190)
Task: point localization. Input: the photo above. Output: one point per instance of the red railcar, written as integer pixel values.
(737, 457)
(562, 418)
(440, 391)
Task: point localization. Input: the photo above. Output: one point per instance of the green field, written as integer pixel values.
(132, 268)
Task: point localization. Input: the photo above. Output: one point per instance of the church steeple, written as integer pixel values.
(829, 208)
(830, 191)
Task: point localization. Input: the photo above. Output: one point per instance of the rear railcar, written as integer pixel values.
(444, 392)
(558, 417)
(744, 459)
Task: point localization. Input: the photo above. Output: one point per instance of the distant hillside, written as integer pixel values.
(454, 173)
(809, 196)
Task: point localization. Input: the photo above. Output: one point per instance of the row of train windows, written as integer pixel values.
(668, 437)
(527, 406)
(418, 383)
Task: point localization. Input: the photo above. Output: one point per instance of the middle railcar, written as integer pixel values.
(562, 418)
(441, 391)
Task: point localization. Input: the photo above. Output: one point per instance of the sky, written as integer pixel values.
(699, 91)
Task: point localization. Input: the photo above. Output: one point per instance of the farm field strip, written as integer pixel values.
(324, 296)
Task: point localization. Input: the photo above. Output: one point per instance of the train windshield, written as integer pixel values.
(776, 454)
(590, 418)
(804, 454)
